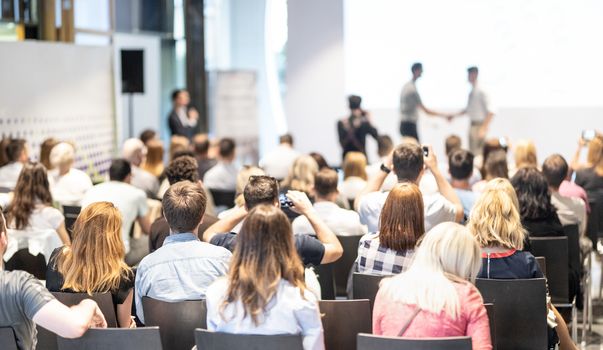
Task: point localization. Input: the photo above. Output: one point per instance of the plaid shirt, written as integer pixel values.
(375, 259)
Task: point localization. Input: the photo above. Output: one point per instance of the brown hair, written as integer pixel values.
(496, 165)
(154, 160)
(183, 206)
(402, 220)
(178, 143)
(94, 263)
(354, 164)
(453, 142)
(201, 144)
(408, 161)
(32, 188)
(260, 189)
(325, 182)
(264, 255)
(45, 149)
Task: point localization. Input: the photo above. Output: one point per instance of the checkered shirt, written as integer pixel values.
(375, 259)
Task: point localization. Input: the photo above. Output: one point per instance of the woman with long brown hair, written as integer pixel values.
(265, 292)
(94, 263)
(390, 250)
(153, 162)
(31, 208)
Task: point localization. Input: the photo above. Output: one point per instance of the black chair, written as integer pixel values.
(594, 223)
(541, 260)
(23, 260)
(115, 338)
(343, 320)
(344, 264)
(374, 342)
(207, 340)
(326, 279)
(104, 301)
(5, 189)
(223, 198)
(365, 286)
(555, 251)
(521, 310)
(177, 321)
(70, 213)
(491, 318)
(7, 339)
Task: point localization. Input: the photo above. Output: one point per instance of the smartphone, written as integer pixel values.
(503, 142)
(425, 151)
(588, 135)
(285, 201)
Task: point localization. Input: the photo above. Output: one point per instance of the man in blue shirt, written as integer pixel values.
(183, 267)
(460, 165)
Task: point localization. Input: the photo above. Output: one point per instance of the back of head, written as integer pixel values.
(594, 155)
(555, 170)
(63, 154)
(525, 154)
(182, 169)
(201, 144)
(320, 160)
(260, 190)
(183, 206)
(453, 142)
(402, 221)
(533, 194)
(154, 152)
(227, 148)
(178, 143)
(496, 165)
(325, 183)
(354, 164)
(15, 149)
(408, 162)
(133, 151)
(3, 144)
(147, 135)
(286, 139)
(354, 102)
(242, 179)
(264, 255)
(95, 261)
(119, 170)
(495, 219)
(301, 175)
(384, 145)
(32, 188)
(460, 164)
(45, 149)
(491, 145)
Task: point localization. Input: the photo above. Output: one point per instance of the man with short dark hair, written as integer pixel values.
(278, 161)
(408, 162)
(147, 135)
(452, 143)
(341, 221)
(460, 166)
(264, 190)
(183, 118)
(17, 154)
(223, 176)
(201, 149)
(184, 266)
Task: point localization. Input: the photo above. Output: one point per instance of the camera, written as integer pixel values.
(425, 151)
(285, 201)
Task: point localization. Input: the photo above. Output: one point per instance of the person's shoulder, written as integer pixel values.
(213, 250)
(217, 290)
(376, 198)
(294, 296)
(18, 279)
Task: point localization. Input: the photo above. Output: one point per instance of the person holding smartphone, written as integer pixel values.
(353, 130)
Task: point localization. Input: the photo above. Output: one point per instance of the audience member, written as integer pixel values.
(525, 155)
(183, 267)
(17, 154)
(590, 177)
(451, 144)
(183, 118)
(25, 302)
(436, 297)
(353, 130)
(385, 146)
(265, 292)
(264, 190)
(301, 175)
(45, 149)
(80, 269)
(354, 175)
(242, 181)
(153, 162)
(131, 201)
(223, 176)
(147, 135)
(277, 162)
(496, 167)
(341, 221)
(134, 152)
(31, 208)
(3, 144)
(460, 166)
(177, 144)
(180, 169)
(201, 148)
(390, 250)
(407, 162)
(320, 160)
(491, 145)
(68, 185)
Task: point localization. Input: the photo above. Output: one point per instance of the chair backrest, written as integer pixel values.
(492, 319)
(70, 213)
(5, 189)
(375, 342)
(555, 251)
(177, 321)
(104, 301)
(207, 340)
(146, 338)
(365, 286)
(541, 260)
(573, 246)
(7, 339)
(326, 279)
(223, 197)
(343, 320)
(521, 309)
(344, 264)
(23, 260)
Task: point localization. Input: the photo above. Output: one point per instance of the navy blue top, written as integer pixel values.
(512, 264)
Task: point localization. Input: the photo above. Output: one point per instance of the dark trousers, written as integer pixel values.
(409, 129)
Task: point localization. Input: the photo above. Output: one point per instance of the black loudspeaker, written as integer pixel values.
(132, 71)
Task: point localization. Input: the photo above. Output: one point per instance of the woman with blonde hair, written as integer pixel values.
(68, 185)
(354, 175)
(301, 175)
(265, 292)
(239, 202)
(94, 263)
(525, 154)
(590, 176)
(436, 297)
(401, 224)
(153, 162)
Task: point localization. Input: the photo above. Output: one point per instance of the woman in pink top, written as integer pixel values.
(435, 294)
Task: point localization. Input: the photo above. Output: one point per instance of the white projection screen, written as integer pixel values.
(539, 61)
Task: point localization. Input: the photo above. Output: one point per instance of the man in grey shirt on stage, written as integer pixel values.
(410, 103)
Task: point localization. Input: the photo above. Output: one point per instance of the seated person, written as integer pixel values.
(590, 175)
(79, 269)
(264, 190)
(264, 292)
(300, 178)
(354, 175)
(277, 162)
(390, 250)
(17, 154)
(25, 302)
(436, 296)
(68, 185)
(223, 175)
(460, 166)
(495, 166)
(134, 151)
(239, 201)
(183, 267)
